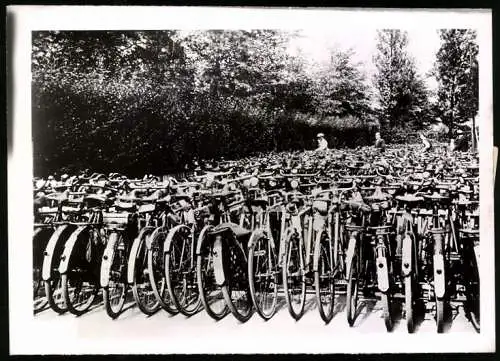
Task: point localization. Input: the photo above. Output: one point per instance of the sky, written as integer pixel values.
(314, 43)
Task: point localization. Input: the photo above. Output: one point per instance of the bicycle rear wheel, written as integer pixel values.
(410, 280)
(352, 290)
(324, 277)
(263, 276)
(473, 300)
(294, 281)
(40, 239)
(180, 271)
(236, 291)
(80, 282)
(51, 261)
(210, 293)
(114, 293)
(141, 285)
(156, 271)
(54, 293)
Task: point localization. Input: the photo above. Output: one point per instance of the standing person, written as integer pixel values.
(379, 142)
(461, 143)
(322, 143)
(426, 143)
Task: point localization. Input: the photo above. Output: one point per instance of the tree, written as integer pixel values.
(340, 87)
(401, 91)
(456, 71)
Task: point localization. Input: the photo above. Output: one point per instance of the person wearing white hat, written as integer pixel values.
(322, 143)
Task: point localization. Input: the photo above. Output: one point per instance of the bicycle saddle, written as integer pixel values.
(409, 198)
(179, 197)
(223, 194)
(124, 205)
(259, 202)
(436, 197)
(57, 197)
(357, 205)
(238, 231)
(95, 200)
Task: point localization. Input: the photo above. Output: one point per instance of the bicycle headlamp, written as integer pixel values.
(294, 184)
(272, 183)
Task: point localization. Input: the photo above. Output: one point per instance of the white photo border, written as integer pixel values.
(29, 336)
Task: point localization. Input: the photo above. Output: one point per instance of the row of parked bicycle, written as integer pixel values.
(233, 236)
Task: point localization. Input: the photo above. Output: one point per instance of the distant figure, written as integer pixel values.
(439, 128)
(379, 142)
(322, 143)
(426, 142)
(461, 143)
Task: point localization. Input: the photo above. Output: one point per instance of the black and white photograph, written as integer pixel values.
(224, 180)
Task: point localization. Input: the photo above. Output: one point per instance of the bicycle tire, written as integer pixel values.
(141, 287)
(293, 245)
(55, 298)
(324, 268)
(41, 237)
(81, 270)
(156, 271)
(52, 254)
(387, 312)
(116, 276)
(410, 280)
(268, 269)
(409, 315)
(206, 279)
(236, 291)
(440, 315)
(182, 280)
(471, 273)
(352, 291)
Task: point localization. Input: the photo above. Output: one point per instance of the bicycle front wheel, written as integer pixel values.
(114, 293)
(210, 293)
(352, 290)
(324, 277)
(262, 276)
(138, 267)
(180, 270)
(294, 281)
(236, 291)
(80, 282)
(156, 271)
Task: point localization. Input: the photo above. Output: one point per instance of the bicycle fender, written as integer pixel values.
(49, 251)
(439, 284)
(201, 237)
(220, 277)
(170, 236)
(351, 248)
(382, 274)
(68, 249)
(317, 250)
(107, 259)
(407, 259)
(134, 253)
(255, 236)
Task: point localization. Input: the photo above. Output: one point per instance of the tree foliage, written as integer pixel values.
(401, 90)
(151, 101)
(456, 70)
